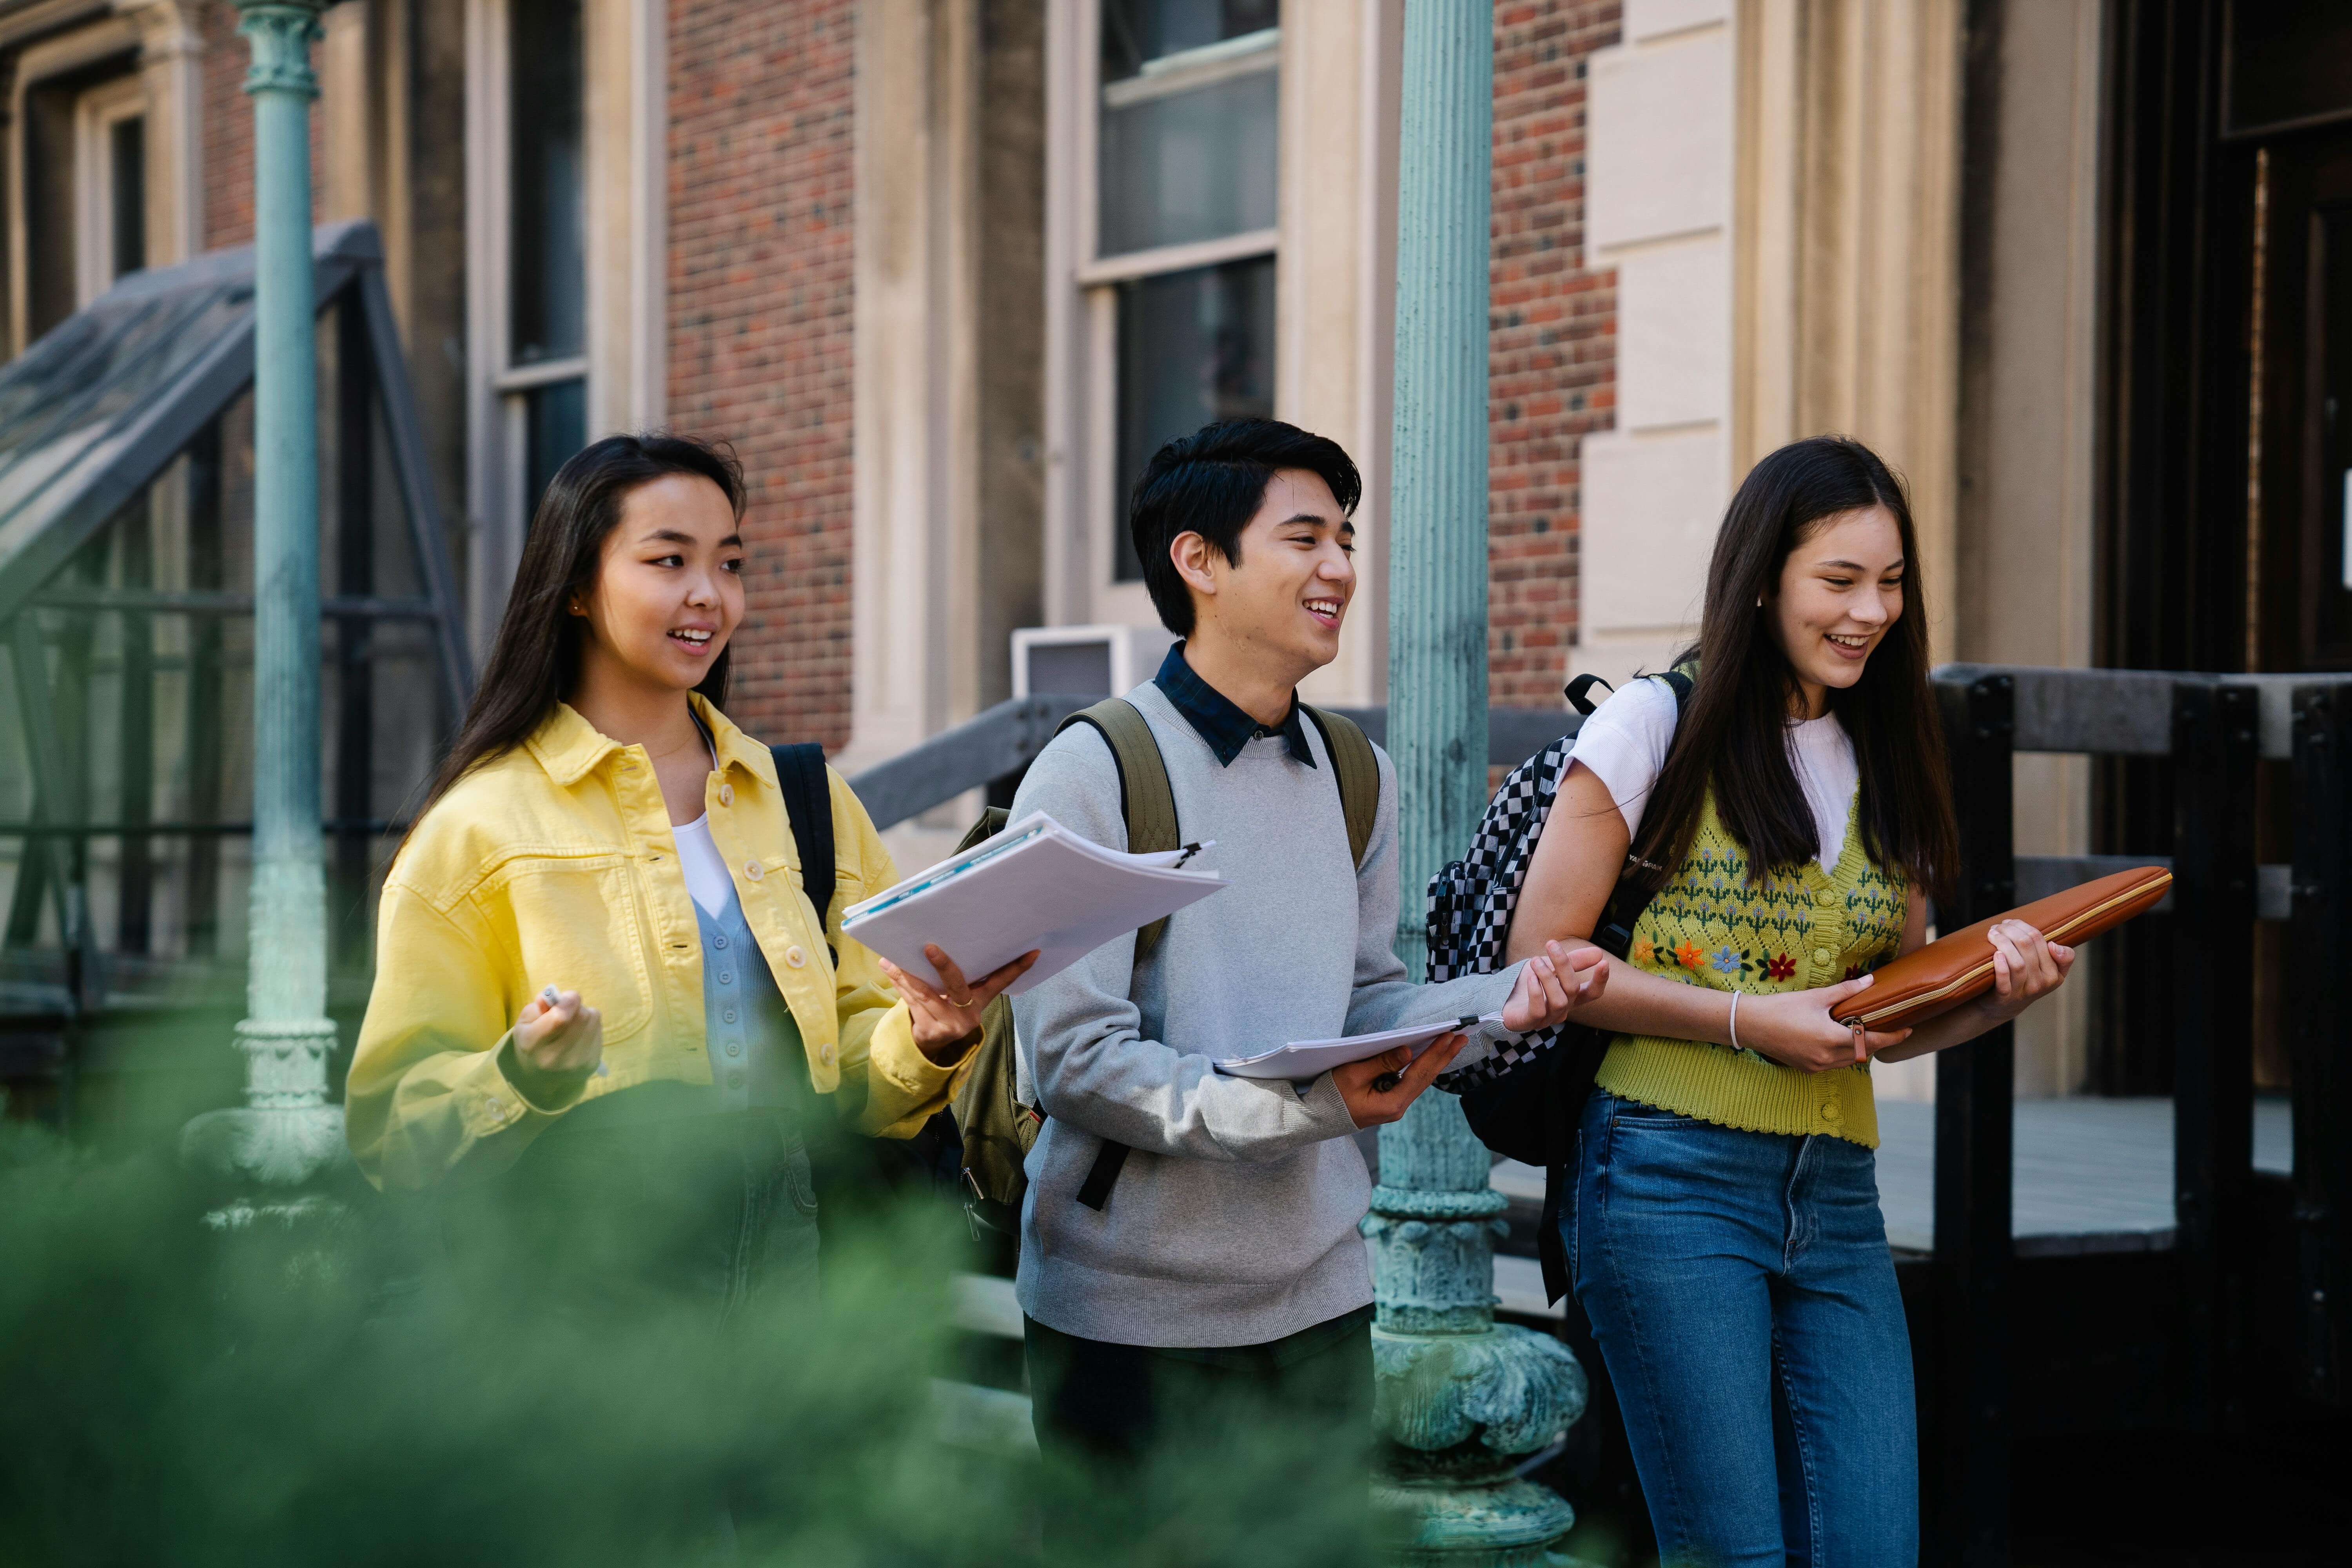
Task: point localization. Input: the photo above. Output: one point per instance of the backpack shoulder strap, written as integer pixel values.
(1146, 800)
(808, 804)
(1627, 901)
(1359, 776)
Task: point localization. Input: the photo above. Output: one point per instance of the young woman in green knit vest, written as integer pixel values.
(1726, 1238)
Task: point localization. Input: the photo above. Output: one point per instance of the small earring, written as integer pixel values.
(1760, 601)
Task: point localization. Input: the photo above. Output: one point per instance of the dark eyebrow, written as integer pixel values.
(672, 536)
(1854, 566)
(1318, 521)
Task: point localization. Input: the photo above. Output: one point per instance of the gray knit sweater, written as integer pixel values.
(1234, 1219)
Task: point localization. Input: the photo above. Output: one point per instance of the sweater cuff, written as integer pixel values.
(1328, 1109)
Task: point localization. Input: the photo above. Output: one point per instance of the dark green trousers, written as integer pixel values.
(1099, 1401)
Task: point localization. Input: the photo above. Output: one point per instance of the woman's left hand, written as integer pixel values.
(2026, 967)
(947, 1014)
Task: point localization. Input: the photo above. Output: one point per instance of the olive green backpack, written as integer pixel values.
(998, 1129)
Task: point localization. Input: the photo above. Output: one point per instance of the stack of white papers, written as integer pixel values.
(1034, 884)
(1312, 1059)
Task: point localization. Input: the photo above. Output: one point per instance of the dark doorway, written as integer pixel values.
(2302, 339)
(2228, 411)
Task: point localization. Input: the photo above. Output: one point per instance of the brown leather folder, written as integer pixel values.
(1956, 969)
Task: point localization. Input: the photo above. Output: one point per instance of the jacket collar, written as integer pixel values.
(570, 748)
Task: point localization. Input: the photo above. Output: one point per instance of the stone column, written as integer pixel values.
(1462, 1399)
(287, 1131)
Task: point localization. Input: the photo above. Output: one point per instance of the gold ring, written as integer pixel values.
(959, 1001)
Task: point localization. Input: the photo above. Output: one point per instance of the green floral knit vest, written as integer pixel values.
(1788, 932)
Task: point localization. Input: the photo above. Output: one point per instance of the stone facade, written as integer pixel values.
(758, 301)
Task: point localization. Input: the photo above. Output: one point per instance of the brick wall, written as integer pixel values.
(228, 129)
(1552, 346)
(761, 186)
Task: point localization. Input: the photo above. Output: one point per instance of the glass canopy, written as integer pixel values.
(126, 634)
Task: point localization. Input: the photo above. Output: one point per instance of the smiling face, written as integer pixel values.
(1840, 591)
(1277, 606)
(669, 587)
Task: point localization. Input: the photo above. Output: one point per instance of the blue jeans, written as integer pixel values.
(1740, 1291)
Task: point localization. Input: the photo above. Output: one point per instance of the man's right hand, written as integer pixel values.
(564, 1037)
(1377, 1089)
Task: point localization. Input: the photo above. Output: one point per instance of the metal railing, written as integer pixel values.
(2213, 731)
(999, 743)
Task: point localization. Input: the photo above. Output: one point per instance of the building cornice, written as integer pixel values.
(26, 20)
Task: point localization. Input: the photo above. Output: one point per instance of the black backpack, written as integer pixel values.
(1525, 1100)
(848, 1170)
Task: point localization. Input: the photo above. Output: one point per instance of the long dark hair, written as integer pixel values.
(535, 662)
(1733, 736)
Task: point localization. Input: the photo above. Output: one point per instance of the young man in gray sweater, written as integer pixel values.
(1226, 1261)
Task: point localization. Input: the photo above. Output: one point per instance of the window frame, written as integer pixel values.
(498, 407)
(96, 111)
(1083, 507)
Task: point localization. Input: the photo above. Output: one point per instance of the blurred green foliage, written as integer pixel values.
(301, 1394)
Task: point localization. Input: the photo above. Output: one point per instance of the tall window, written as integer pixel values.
(544, 382)
(1187, 148)
(110, 177)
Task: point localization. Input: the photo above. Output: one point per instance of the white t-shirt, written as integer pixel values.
(706, 873)
(1625, 743)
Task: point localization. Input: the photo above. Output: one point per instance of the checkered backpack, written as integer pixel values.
(1525, 1100)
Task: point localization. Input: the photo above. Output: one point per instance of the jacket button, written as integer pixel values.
(498, 1110)
(727, 795)
(1830, 1112)
(794, 957)
(752, 870)
(1826, 900)
(825, 1055)
(1821, 955)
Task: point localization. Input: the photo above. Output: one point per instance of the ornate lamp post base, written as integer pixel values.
(1463, 1399)
(287, 1132)
(1509, 1525)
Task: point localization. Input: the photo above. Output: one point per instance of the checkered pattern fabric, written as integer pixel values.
(1472, 899)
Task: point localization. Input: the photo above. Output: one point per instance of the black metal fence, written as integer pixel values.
(2211, 733)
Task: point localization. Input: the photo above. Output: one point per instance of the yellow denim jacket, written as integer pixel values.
(554, 864)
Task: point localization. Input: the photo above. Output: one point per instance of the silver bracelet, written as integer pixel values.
(1735, 1020)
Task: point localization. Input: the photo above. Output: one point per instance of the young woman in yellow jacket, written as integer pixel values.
(598, 977)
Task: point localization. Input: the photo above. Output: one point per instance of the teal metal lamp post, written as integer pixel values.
(1462, 1399)
(287, 1131)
